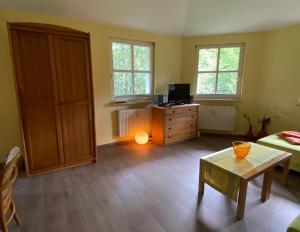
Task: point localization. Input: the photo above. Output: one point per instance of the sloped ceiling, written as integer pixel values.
(176, 17)
(206, 17)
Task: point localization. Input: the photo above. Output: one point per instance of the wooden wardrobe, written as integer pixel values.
(54, 85)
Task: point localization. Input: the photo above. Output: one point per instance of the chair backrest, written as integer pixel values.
(12, 154)
(9, 175)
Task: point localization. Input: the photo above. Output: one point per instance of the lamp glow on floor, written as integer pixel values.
(141, 137)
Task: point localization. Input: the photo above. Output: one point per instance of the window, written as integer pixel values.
(132, 70)
(219, 71)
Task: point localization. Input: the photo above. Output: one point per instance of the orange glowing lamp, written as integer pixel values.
(141, 137)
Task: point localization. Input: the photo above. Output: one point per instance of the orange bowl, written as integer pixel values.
(241, 149)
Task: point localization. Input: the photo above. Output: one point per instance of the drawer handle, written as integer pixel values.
(170, 119)
(192, 116)
(173, 111)
(191, 125)
(169, 137)
(189, 109)
(169, 128)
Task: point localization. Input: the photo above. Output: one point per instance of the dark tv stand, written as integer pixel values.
(176, 104)
(169, 104)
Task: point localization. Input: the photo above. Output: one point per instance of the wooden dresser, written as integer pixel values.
(174, 124)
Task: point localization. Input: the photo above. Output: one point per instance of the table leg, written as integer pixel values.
(201, 178)
(286, 169)
(266, 188)
(242, 199)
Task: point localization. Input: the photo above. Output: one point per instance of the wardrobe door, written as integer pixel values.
(36, 94)
(75, 97)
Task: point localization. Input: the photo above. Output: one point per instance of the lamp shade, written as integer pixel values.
(141, 137)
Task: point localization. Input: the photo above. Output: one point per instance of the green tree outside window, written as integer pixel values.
(132, 68)
(219, 70)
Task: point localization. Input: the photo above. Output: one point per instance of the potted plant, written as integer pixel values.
(263, 130)
(266, 119)
(249, 135)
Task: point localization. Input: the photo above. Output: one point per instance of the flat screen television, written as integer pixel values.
(179, 93)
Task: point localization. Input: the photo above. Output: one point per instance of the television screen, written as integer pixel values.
(179, 93)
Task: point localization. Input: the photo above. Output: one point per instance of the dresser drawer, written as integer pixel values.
(181, 118)
(190, 124)
(190, 109)
(180, 135)
(171, 111)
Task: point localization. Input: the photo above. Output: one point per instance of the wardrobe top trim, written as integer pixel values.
(46, 28)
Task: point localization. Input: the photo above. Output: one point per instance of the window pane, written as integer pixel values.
(227, 83)
(141, 58)
(122, 83)
(229, 59)
(121, 56)
(208, 59)
(142, 83)
(206, 83)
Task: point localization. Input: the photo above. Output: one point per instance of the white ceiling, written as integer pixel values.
(178, 17)
(229, 16)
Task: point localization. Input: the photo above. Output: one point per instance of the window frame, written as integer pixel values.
(138, 97)
(240, 71)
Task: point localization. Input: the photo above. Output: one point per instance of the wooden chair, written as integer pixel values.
(7, 178)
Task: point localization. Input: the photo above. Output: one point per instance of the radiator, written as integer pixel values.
(133, 120)
(218, 118)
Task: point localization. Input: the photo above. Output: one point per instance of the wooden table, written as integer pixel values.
(266, 168)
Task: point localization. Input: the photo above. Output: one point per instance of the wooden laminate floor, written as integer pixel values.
(151, 189)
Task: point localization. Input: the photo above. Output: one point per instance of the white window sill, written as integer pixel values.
(218, 99)
(131, 102)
